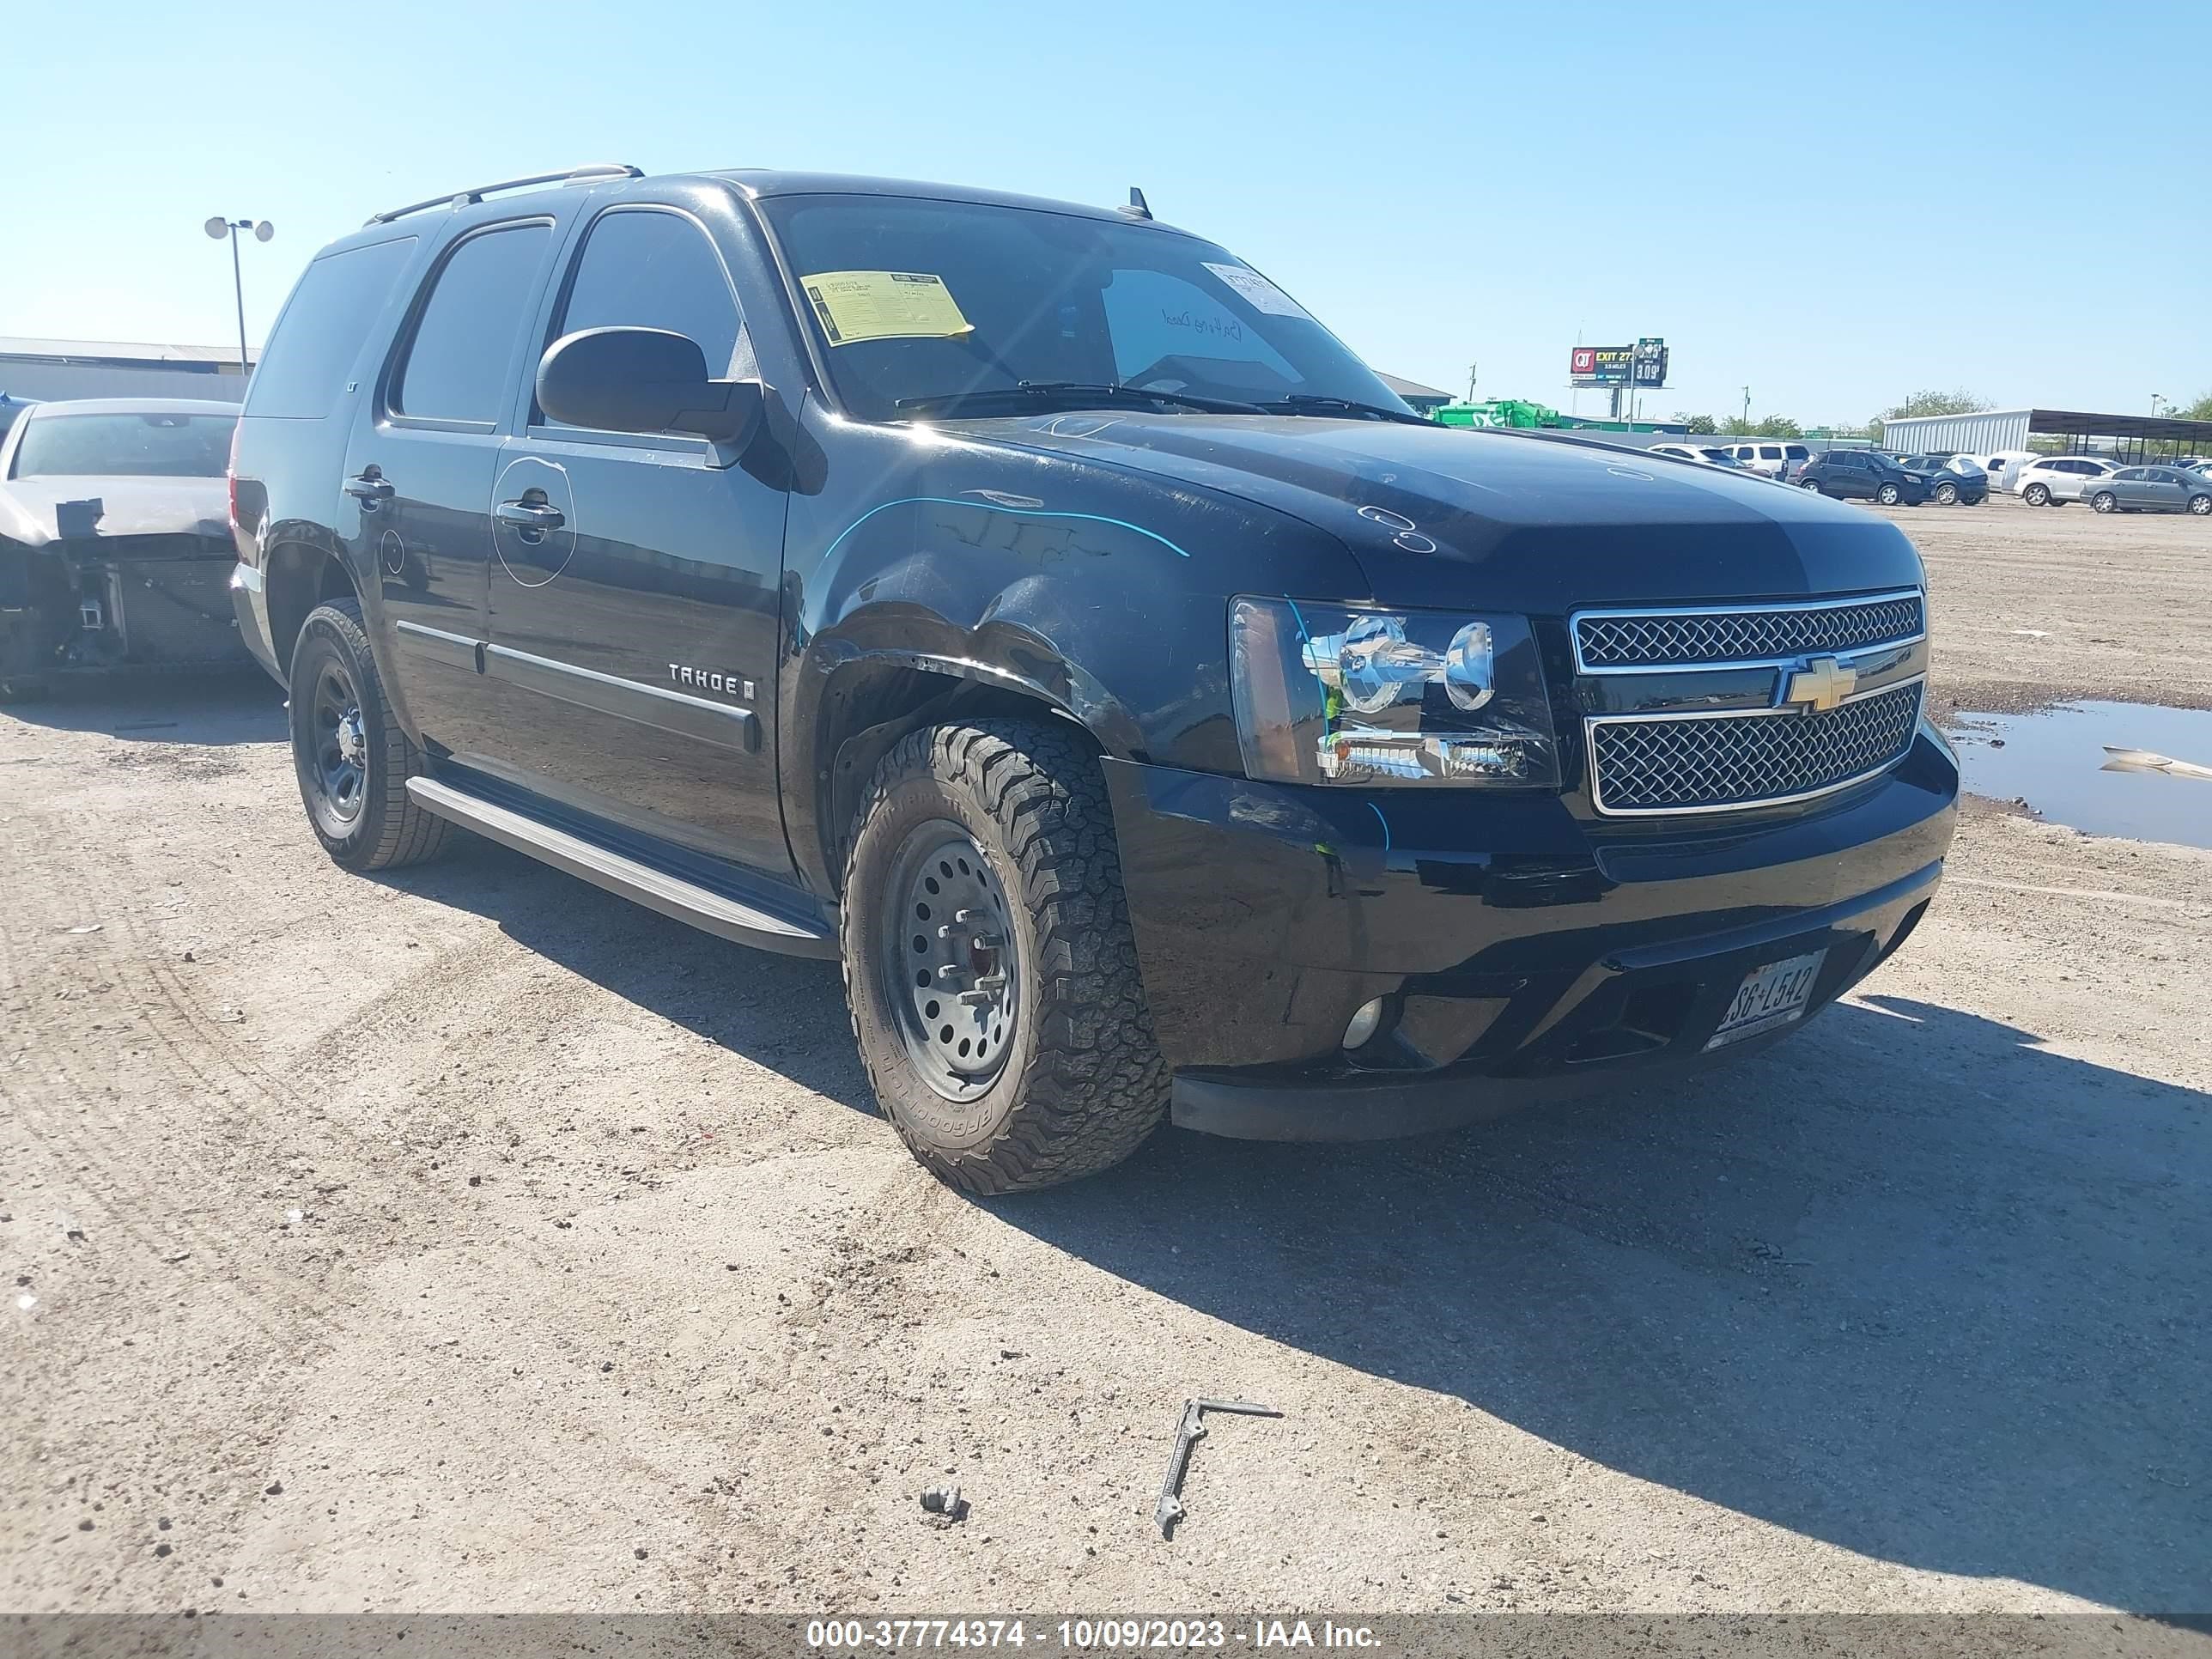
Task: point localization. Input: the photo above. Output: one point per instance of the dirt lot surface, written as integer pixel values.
(2034, 603)
(472, 1240)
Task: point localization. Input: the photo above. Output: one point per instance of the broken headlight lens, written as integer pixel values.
(1330, 695)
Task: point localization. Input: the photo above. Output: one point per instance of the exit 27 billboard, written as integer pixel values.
(1643, 363)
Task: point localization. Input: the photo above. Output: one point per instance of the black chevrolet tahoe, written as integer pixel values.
(1033, 607)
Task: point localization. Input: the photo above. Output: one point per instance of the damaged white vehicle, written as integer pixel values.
(115, 543)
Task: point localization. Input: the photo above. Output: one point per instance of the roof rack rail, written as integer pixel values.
(475, 193)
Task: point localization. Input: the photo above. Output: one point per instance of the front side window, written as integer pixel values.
(910, 299)
(456, 367)
(155, 444)
(641, 268)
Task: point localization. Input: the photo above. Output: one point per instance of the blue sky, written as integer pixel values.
(1836, 204)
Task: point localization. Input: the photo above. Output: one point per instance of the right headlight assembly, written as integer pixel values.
(1328, 695)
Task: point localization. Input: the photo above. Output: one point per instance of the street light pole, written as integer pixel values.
(220, 227)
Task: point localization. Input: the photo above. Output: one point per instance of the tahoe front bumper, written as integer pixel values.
(1522, 955)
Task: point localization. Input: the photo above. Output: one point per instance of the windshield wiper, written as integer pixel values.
(1075, 394)
(1311, 403)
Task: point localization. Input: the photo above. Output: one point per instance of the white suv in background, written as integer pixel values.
(1770, 456)
(2056, 480)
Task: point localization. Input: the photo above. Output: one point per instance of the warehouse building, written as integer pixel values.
(45, 369)
(1989, 432)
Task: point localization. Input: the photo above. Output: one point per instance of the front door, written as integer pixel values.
(634, 592)
(420, 466)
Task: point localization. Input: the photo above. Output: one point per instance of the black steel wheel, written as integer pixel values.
(989, 963)
(951, 962)
(351, 758)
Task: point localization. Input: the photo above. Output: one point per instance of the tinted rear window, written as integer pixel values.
(320, 333)
(456, 365)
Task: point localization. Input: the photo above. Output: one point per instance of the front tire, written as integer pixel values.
(2200, 505)
(350, 757)
(2037, 495)
(989, 964)
(1947, 494)
(1889, 495)
(2105, 502)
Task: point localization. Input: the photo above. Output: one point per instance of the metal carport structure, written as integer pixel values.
(1986, 432)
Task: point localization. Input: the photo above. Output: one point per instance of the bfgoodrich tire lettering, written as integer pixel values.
(372, 823)
(1082, 1082)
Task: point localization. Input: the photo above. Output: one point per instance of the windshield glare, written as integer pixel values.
(1026, 295)
(144, 445)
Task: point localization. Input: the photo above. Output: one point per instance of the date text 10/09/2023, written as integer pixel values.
(1133, 1635)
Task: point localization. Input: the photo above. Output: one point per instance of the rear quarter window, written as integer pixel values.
(303, 367)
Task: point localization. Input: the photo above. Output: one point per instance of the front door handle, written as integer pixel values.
(369, 486)
(530, 515)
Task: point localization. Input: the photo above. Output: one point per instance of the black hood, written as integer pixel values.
(1511, 520)
(128, 506)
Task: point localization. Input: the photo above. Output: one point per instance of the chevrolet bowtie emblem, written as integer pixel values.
(1820, 684)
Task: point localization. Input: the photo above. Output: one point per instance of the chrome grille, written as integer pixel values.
(1716, 762)
(1669, 639)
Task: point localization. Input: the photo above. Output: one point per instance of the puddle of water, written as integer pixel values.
(2057, 762)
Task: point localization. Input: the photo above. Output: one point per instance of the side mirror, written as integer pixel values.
(643, 379)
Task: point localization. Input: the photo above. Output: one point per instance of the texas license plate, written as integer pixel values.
(1770, 996)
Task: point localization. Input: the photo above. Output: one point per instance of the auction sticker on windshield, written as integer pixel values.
(1257, 291)
(883, 305)
(1770, 996)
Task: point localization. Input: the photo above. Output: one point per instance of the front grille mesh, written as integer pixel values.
(1662, 640)
(1657, 765)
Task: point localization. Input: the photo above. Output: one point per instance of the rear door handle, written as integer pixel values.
(370, 486)
(530, 515)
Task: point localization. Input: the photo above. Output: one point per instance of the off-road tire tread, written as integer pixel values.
(406, 834)
(1093, 1085)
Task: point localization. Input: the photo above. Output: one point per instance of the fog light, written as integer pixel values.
(1365, 1024)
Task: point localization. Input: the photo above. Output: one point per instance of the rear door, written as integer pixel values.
(634, 638)
(421, 462)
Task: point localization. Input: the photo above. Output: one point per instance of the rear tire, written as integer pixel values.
(2105, 502)
(2037, 495)
(1008, 819)
(1813, 484)
(350, 757)
(21, 689)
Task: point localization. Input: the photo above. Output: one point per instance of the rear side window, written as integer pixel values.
(1794, 451)
(303, 367)
(456, 364)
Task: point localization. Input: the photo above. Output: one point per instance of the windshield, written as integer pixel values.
(146, 446)
(909, 298)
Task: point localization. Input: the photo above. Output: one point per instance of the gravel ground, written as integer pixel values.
(470, 1240)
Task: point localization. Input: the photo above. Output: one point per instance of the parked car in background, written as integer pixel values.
(1958, 480)
(1708, 454)
(2055, 480)
(1773, 458)
(1866, 475)
(2152, 490)
(115, 545)
(2003, 466)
